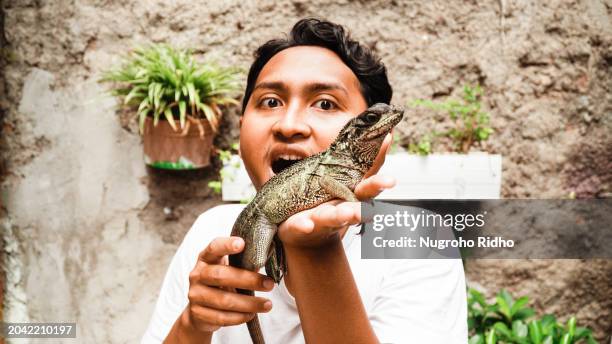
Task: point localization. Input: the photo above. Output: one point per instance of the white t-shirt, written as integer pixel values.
(407, 300)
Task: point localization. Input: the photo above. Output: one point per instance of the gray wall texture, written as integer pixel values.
(85, 234)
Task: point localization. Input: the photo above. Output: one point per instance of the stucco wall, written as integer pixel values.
(86, 237)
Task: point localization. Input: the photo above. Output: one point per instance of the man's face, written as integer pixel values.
(302, 98)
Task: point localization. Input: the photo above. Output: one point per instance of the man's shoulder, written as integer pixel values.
(221, 211)
(214, 222)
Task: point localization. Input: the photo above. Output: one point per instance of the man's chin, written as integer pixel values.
(259, 179)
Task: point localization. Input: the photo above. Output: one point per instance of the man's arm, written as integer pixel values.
(319, 275)
(184, 331)
(327, 297)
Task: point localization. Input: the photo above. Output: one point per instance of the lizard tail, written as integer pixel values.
(255, 331)
(253, 324)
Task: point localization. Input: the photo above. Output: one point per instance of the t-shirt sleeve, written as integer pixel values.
(172, 297)
(421, 301)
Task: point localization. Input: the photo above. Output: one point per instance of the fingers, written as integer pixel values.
(372, 186)
(335, 216)
(331, 214)
(212, 301)
(300, 222)
(312, 226)
(228, 301)
(229, 276)
(209, 319)
(220, 247)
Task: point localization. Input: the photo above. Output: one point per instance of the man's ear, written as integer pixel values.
(240, 122)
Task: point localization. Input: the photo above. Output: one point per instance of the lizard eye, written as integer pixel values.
(371, 118)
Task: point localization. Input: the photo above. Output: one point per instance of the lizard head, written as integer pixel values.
(363, 135)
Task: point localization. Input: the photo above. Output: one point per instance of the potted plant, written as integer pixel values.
(460, 174)
(177, 102)
(506, 320)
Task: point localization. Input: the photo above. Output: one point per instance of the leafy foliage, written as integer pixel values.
(422, 147)
(471, 123)
(169, 165)
(507, 320)
(215, 186)
(161, 80)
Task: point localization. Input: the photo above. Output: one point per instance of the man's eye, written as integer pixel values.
(270, 102)
(325, 104)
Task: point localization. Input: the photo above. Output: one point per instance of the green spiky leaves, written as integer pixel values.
(163, 81)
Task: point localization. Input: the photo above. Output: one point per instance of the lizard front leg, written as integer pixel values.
(337, 189)
(276, 267)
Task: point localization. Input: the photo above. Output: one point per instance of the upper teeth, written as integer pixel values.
(289, 157)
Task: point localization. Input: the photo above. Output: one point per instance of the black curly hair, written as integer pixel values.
(370, 72)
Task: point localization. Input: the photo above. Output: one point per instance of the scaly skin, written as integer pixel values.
(306, 184)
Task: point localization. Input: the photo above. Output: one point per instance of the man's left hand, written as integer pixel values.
(327, 222)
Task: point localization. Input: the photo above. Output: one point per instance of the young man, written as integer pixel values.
(300, 92)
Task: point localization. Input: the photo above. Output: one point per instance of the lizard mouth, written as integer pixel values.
(283, 162)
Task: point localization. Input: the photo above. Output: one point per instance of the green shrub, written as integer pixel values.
(510, 321)
(423, 147)
(471, 124)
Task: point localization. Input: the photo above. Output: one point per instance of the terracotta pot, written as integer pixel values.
(167, 149)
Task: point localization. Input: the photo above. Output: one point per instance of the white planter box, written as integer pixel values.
(436, 176)
(238, 186)
(443, 176)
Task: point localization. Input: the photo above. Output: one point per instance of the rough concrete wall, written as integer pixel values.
(2, 112)
(86, 235)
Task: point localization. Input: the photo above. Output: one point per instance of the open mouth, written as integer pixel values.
(283, 162)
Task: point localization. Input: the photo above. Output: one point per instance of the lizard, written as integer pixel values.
(319, 178)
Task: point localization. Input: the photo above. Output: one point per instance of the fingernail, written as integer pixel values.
(308, 226)
(236, 244)
(390, 181)
(267, 305)
(268, 283)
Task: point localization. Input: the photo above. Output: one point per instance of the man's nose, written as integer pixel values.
(292, 125)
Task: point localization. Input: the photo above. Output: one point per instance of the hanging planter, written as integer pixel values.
(167, 149)
(177, 102)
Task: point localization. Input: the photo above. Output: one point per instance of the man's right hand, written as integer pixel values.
(213, 301)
